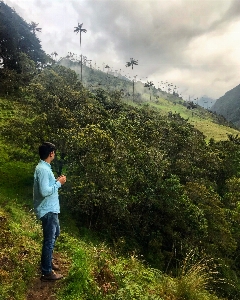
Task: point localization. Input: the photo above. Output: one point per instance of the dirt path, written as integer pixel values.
(47, 290)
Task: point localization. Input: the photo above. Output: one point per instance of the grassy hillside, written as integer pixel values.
(150, 210)
(211, 125)
(92, 269)
(201, 119)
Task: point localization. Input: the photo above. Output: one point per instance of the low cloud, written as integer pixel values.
(192, 43)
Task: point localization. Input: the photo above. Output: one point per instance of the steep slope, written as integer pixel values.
(211, 125)
(92, 269)
(229, 106)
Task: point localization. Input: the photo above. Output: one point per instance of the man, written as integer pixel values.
(47, 207)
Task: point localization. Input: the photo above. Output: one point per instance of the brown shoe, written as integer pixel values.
(52, 276)
(55, 267)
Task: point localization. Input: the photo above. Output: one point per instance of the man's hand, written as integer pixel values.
(62, 179)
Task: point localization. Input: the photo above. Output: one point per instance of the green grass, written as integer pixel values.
(15, 175)
(213, 130)
(19, 248)
(200, 118)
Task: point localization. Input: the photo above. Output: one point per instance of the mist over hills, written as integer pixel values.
(229, 106)
(206, 102)
(93, 78)
(225, 109)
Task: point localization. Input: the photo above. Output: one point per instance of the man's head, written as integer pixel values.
(47, 150)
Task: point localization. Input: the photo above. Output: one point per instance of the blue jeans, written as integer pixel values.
(51, 230)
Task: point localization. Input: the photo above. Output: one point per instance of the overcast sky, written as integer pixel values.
(195, 44)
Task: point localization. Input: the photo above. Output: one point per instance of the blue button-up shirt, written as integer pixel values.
(45, 190)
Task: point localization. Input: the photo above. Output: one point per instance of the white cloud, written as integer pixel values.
(192, 43)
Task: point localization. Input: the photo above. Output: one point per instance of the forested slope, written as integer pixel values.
(150, 183)
(146, 182)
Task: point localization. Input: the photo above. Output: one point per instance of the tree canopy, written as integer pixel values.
(17, 36)
(133, 173)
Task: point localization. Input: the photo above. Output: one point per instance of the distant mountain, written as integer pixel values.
(206, 102)
(229, 106)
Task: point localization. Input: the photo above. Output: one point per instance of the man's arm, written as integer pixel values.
(44, 188)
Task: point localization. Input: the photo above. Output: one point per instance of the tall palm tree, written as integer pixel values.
(79, 29)
(130, 64)
(149, 84)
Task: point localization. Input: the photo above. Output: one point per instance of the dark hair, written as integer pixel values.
(45, 149)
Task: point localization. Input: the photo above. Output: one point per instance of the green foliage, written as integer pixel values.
(148, 180)
(18, 249)
(20, 51)
(194, 278)
(12, 80)
(217, 237)
(122, 278)
(79, 283)
(16, 37)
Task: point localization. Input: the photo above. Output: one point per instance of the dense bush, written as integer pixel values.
(150, 182)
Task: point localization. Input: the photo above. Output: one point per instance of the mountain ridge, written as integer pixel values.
(229, 106)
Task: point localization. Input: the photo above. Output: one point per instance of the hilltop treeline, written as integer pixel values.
(149, 183)
(21, 53)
